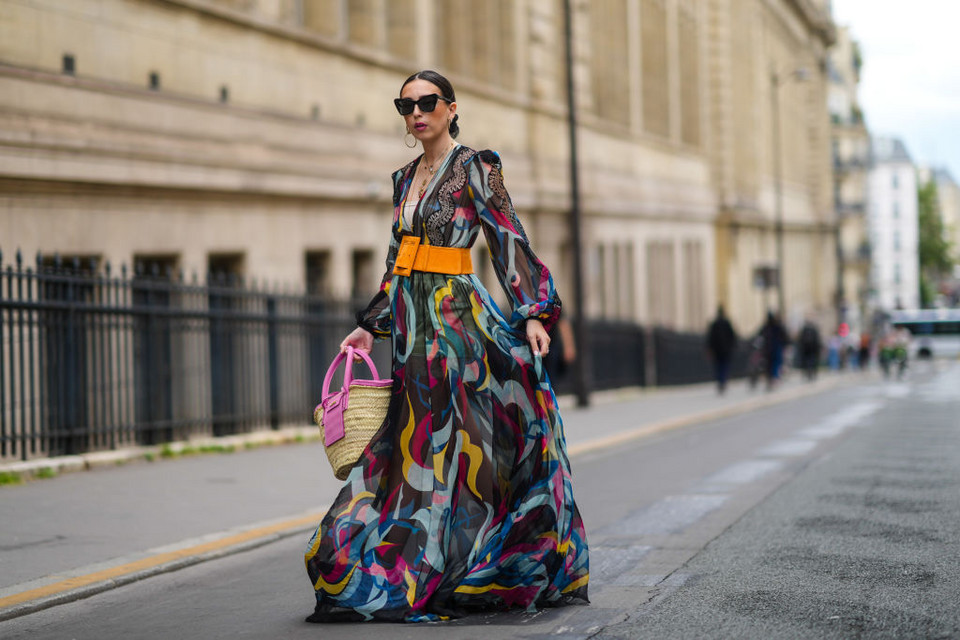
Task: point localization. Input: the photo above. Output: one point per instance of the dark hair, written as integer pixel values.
(446, 90)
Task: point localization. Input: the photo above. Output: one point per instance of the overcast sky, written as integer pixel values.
(910, 85)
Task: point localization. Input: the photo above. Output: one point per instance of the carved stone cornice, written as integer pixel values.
(819, 21)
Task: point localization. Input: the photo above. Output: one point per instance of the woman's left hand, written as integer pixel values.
(537, 337)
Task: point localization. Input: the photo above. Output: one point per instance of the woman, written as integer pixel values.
(463, 498)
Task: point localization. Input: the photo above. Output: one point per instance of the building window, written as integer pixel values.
(655, 73)
(318, 273)
(896, 181)
(611, 89)
(153, 346)
(896, 241)
(689, 76)
(402, 29)
(599, 271)
(476, 39)
(363, 276)
(896, 273)
(363, 18)
(323, 17)
(69, 64)
(896, 210)
(661, 284)
(695, 277)
(225, 267)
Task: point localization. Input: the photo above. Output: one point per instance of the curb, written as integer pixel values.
(746, 406)
(129, 570)
(96, 459)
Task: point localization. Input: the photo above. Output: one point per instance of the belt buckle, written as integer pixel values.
(406, 255)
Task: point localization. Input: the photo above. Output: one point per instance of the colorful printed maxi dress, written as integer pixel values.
(463, 499)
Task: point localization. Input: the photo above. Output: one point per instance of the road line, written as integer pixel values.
(155, 562)
(691, 419)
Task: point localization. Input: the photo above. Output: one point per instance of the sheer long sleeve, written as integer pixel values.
(377, 317)
(526, 281)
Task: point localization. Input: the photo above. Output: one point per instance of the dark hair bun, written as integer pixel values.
(454, 127)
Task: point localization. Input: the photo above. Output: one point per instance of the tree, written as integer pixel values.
(935, 250)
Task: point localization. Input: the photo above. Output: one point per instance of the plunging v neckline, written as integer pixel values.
(427, 188)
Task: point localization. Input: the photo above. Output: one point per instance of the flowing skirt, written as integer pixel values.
(463, 499)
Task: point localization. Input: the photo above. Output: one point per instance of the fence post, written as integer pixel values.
(649, 357)
(3, 402)
(272, 364)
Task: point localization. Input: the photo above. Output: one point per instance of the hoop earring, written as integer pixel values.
(409, 146)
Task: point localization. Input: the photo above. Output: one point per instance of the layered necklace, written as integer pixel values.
(432, 169)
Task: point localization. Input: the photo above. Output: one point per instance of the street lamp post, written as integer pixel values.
(582, 364)
(777, 80)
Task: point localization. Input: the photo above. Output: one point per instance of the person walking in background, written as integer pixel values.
(834, 350)
(775, 340)
(866, 343)
(463, 499)
(809, 344)
(721, 341)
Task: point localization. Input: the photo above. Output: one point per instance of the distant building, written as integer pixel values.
(894, 230)
(851, 164)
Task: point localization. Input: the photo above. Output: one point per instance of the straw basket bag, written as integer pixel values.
(349, 418)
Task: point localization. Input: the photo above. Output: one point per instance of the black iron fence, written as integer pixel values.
(94, 360)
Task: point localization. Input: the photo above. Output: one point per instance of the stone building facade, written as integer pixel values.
(851, 161)
(257, 137)
(758, 48)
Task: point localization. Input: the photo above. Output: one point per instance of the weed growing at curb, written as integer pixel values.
(149, 456)
(217, 448)
(10, 478)
(166, 451)
(45, 472)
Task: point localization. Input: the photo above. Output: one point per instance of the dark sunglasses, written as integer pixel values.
(426, 103)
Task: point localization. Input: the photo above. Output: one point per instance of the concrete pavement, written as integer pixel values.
(84, 533)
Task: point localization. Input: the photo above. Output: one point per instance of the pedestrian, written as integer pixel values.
(462, 501)
(721, 341)
(775, 340)
(809, 344)
(865, 346)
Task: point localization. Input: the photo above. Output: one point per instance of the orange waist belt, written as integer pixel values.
(413, 256)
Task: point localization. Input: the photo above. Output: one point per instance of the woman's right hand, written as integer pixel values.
(360, 339)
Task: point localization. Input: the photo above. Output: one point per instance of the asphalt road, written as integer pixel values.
(836, 515)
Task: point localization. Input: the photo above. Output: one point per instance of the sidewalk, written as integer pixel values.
(83, 533)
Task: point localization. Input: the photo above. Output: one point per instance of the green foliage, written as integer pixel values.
(927, 292)
(935, 250)
(167, 451)
(45, 472)
(10, 478)
(149, 457)
(217, 448)
(857, 58)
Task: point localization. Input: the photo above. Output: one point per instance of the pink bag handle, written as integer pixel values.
(335, 404)
(348, 373)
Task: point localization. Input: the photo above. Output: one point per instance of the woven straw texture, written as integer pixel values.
(364, 416)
